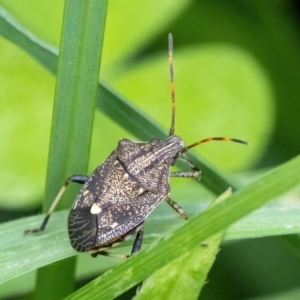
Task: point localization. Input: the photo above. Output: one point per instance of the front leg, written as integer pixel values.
(184, 158)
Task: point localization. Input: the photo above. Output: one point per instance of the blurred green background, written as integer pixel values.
(237, 74)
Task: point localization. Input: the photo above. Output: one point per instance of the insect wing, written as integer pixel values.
(123, 204)
(82, 227)
(82, 224)
(119, 219)
(109, 206)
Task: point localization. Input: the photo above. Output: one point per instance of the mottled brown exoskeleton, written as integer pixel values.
(121, 193)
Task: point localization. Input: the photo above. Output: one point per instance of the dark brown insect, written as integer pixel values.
(120, 194)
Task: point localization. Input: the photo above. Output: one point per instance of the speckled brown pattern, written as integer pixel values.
(126, 188)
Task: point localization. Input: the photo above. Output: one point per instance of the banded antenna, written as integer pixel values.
(222, 139)
(170, 39)
(172, 128)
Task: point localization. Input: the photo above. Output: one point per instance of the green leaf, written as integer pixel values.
(53, 244)
(184, 277)
(73, 114)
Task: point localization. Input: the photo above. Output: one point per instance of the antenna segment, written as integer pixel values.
(222, 139)
(170, 43)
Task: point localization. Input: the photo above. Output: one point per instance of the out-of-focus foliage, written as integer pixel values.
(222, 88)
(236, 67)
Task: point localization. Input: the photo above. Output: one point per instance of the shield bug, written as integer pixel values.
(119, 195)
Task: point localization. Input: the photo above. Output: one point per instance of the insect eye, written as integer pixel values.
(170, 161)
(154, 141)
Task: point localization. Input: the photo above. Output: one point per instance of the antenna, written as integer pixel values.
(172, 128)
(222, 139)
(170, 44)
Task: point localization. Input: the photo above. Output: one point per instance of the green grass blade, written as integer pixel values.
(53, 244)
(124, 276)
(75, 97)
(76, 89)
(114, 105)
(184, 277)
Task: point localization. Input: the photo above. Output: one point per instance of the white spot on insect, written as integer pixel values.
(85, 192)
(141, 190)
(114, 225)
(95, 209)
(125, 176)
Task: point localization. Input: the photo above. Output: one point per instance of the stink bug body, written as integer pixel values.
(120, 194)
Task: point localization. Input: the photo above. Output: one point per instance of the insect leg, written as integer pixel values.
(75, 178)
(137, 245)
(184, 158)
(106, 253)
(190, 174)
(177, 208)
